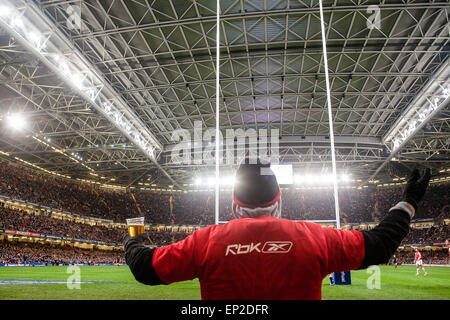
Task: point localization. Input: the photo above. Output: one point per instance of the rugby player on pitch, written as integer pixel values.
(419, 262)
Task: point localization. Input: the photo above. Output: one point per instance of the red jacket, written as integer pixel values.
(260, 258)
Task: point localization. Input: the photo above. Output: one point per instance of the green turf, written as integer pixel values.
(399, 283)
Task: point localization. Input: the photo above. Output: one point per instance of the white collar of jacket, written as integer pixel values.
(271, 211)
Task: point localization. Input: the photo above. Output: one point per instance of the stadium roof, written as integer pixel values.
(155, 60)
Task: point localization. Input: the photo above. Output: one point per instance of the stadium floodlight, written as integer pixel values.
(64, 67)
(16, 121)
(319, 179)
(17, 23)
(433, 98)
(198, 181)
(33, 37)
(77, 80)
(327, 179)
(228, 180)
(345, 177)
(308, 179)
(5, 11)
(211, 181)
(298, 179)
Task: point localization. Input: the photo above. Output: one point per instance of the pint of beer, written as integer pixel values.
(135, 226)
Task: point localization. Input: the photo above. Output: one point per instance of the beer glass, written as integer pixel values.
(135, 226)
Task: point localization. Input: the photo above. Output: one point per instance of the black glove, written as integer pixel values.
(126, 239)
(416, 187)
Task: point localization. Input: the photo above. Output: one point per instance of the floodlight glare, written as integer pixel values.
(211, 181)
(227, 180)
(17, 23)
(34, 37)
(5, 11)
(16, 121)
(327, 179)
(64, 67)
(78, 80)
(309, 179)
(298, 179)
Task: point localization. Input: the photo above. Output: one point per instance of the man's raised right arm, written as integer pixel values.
(381, 242)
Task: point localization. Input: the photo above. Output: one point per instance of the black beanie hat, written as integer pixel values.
(256, 186)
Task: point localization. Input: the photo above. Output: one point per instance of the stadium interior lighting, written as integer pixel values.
(326, 179)
(64, 68)
(5, 11)
(36, 40)
(227, 180)
(319, 179)
(345, 178)
(17, 23)
(16, 121)
(78, 80)
(422, 109)
(211, 181)
(298, 179)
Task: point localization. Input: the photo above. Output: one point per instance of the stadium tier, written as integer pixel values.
(47, 254)
(197, 208)
(178, 214)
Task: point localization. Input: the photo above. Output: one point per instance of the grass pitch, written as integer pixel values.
(396, 284)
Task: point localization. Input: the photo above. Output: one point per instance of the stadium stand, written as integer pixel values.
(429, 257)
(19, 220)
(173, 211)
(197, 208)
(33, 186)
(35, 253)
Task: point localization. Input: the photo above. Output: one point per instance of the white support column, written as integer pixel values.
(217, 182)
(330, 116)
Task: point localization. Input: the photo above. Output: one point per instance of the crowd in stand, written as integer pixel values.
(365, 205)
(435, 234)
(19, 220)
(428, 257)
(165, 236)
(34, 253)
(32, 186)
(356, 206)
